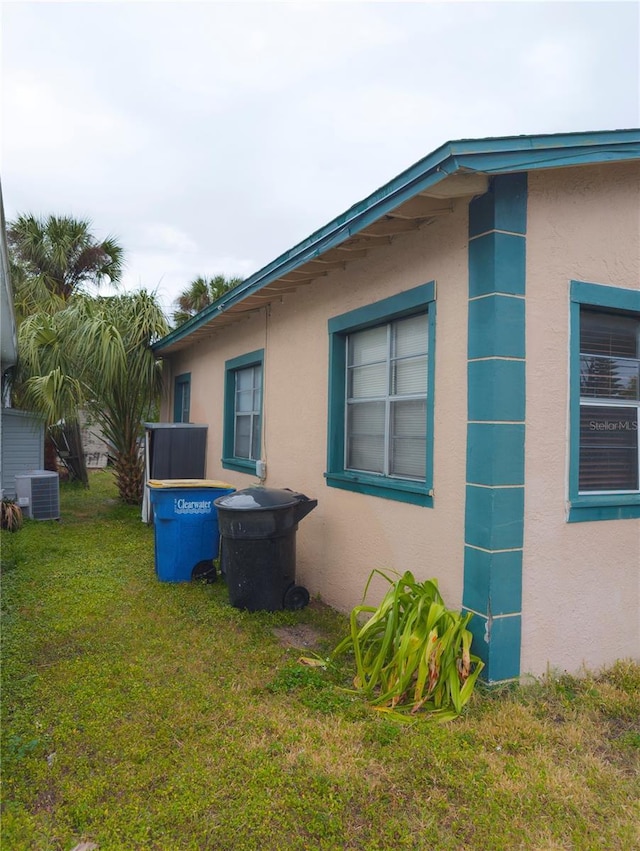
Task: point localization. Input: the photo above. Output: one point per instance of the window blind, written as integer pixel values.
(409, 447)
(609, 401)
(386, 398)
(608, 448)
(248, 403)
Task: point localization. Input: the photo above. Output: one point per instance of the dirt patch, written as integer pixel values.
(301, 635)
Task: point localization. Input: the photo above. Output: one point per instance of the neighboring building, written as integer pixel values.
(21, 432)
(22, 447)
(8, 333)
(451, 367)
(96, 449)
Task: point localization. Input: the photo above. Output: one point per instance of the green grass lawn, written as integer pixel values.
(143, 715)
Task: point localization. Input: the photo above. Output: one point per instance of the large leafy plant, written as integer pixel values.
(412, 654)
(96, 355)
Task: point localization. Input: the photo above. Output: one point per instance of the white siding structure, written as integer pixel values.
(22, 447)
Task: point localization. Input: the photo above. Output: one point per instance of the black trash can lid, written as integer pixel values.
(257, 498)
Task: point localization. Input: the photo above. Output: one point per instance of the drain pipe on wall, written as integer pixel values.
(261, 465)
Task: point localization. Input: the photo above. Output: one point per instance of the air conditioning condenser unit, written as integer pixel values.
(38, 494)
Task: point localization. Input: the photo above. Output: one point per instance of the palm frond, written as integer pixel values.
(62, 253)
(200, 293)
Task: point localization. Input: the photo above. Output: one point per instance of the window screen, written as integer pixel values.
(182, 398)
(248, 402)
(386, 408)
(609, 401)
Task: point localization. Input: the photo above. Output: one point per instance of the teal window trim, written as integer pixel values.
(586, 507)
(417, 300)
(181, 383)
(229, 461)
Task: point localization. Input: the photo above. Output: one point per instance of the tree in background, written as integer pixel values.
(96, 354)
(200, 293)
(55, 258)
(52, 260)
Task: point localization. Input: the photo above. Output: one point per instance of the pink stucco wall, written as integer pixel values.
(349, 534)
(581, 581)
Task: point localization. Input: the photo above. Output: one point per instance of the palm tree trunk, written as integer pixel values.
(129, 473)
(77, 460)
(67, 445)
(50, 454)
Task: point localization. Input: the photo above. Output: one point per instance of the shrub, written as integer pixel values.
(412, 653)
(10, 515)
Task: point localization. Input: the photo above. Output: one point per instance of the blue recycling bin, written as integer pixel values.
(186, 533)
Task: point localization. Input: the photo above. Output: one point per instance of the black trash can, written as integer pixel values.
(258, 547)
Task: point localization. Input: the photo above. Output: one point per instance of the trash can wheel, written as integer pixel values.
(295, 597)
(204, 571)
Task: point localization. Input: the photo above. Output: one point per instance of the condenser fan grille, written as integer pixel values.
(38, 494)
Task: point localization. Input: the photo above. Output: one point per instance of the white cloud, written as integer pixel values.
(210, 137)
(556, 67)
(170, 238)
(169, 273)
(61, 123)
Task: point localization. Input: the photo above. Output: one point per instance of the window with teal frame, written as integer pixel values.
(182, 398)
(380, 423)
(242, 432)
(604, 463)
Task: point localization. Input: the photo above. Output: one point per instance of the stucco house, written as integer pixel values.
(451, 368)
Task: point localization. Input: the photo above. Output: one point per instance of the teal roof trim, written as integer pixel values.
(489, 156)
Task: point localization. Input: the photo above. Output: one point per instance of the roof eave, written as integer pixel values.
(487, 156)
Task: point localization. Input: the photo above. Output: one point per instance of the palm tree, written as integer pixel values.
(52, 260)
(96, 354)
(200, 293)
(55, 258)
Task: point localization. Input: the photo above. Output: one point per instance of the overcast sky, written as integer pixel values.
(210, 137)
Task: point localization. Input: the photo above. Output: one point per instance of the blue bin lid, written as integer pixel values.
(257, 498)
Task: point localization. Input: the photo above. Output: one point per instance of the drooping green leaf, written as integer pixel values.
(412, 654)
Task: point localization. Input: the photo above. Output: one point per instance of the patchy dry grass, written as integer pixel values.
(140, 715)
